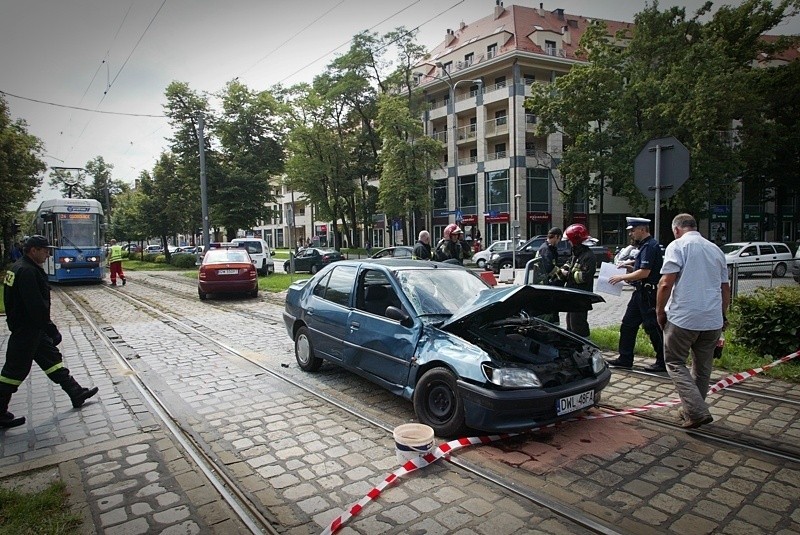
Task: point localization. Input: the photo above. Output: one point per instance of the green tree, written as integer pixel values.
(20, 171)
(250, 133)
(406, 159)
(161, 206)
(129, 222)
(672, 76)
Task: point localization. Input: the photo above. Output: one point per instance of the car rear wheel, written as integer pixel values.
(304, 351)
(314, 269)
(438, 404)
(780, 270)
(506, 264)
(202, 294)
(254, 293)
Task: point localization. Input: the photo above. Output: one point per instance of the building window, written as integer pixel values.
(491, 51)
(500, 117)
(500, 81)
(279, 238)
(440, 194)
(497, 188)
(468, 59)
(468, 194)
(500, 150)
(538, 190)
(447, 67)
(550, 48)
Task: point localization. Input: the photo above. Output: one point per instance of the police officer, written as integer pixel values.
(33, 336)
(644, 275)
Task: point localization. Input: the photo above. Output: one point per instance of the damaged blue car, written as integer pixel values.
(468, 356)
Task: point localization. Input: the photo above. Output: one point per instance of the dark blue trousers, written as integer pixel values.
(641, 311)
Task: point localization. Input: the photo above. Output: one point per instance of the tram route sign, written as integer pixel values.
(672, 171)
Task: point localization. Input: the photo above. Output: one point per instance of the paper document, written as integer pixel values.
(607, 271)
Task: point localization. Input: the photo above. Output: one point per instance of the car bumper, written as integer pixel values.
(511, 411)
(219, 287)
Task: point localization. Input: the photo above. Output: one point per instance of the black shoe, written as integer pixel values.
(8, 420)
(694, 424)
(655, 368)
(618, 363)
(79, 399)
(124, 281)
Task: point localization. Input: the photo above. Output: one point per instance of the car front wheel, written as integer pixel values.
(506, 264)
(314, 269)
(438, 404)
(780, 270)
(481, 263)
(304, 351)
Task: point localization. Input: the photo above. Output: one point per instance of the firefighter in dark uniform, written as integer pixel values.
(33, 336)
(579, 273)
(548, 267)
(644, 275)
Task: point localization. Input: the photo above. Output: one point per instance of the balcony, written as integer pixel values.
(466, 161)
(530, 122)
(440, 136)
(556, 52)
(496, 155)
(497, 126)
(466, 133)
(538, 158)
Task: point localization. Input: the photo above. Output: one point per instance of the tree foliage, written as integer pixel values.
(673, 75)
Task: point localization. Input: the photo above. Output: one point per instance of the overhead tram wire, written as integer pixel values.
(307, 26)
(80, 108)
(301, 69)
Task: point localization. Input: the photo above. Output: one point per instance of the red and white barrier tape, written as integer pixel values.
(446, 448)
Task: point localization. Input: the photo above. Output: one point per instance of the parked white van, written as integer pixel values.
(259, 252)
(758, 257)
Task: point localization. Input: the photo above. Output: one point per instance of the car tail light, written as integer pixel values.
(325, 258)
(202, 273)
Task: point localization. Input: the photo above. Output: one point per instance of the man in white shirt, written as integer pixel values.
(693, 296)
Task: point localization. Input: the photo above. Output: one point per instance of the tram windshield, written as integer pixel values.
(79, 230)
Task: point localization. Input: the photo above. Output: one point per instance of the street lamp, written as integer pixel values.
(452, 106)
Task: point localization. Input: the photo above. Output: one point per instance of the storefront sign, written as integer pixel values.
(539, 217)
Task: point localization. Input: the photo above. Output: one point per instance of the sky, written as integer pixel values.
(117, 57)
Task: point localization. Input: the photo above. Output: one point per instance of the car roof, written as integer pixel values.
(743, 243)
(394, 263)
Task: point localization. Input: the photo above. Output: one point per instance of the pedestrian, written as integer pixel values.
(643, 275)
(34, 336)
(115, 263)
(693, 296)
(449, 247)
(422, 249)
(548, 266)
(16, 252)
(579, 273)
(368, 248)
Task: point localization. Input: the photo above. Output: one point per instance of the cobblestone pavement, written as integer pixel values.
(305, 460)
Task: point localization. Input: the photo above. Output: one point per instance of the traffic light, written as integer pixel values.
(14, 227)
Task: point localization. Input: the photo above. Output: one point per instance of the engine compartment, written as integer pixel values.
(556, 358)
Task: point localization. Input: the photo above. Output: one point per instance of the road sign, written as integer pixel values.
(672, 170)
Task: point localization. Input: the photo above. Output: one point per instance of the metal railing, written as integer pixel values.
(747, 277)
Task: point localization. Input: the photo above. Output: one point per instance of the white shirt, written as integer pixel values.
(696, 300)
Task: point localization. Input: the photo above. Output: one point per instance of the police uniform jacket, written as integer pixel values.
(27, 296)
(649, 257)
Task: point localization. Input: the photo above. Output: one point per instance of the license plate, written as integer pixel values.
(574, 403)
(227, 271)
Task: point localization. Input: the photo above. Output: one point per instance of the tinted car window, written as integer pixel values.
(253, 247)
(767, 249)
(322, 285)
(782, 249)
(752, 250)
(340, 285)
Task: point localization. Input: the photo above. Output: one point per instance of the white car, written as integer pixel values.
(480, 258)
(796, 266)
(758, 257)
(259, 252)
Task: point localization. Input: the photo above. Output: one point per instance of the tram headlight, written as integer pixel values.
(91, 259)
(67, 259)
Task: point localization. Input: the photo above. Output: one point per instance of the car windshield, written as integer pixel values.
(437, 292)
(218, 256)
(730, 248)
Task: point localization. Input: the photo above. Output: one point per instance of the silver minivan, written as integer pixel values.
(758, 257)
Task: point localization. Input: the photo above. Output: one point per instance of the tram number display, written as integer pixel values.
(574, 403)
(74, 216)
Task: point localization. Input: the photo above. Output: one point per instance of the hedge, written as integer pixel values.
(768, 320)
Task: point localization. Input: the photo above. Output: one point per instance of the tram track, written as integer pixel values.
(250, 512)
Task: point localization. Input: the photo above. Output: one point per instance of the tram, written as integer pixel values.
(75, 229)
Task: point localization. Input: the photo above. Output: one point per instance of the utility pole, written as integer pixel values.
(203, 185)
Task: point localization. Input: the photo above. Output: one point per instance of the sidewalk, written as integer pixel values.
(122, 472)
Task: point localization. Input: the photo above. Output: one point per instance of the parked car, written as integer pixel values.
(758, 257)
(153, 249)
(466, 355)
(796, 266)
(227, 270)
(259, 252)
(399, 251)
(312, 259)
(482, 257)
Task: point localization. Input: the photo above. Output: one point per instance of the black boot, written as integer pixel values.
(76, 392)
(7, 419)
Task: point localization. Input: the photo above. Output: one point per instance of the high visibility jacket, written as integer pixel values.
(116, 254)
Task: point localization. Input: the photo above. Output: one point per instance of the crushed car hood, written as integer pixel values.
(534, 300)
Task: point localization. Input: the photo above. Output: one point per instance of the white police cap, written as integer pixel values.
(635, 222)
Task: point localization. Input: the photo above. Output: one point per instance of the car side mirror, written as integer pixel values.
(397, 314)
